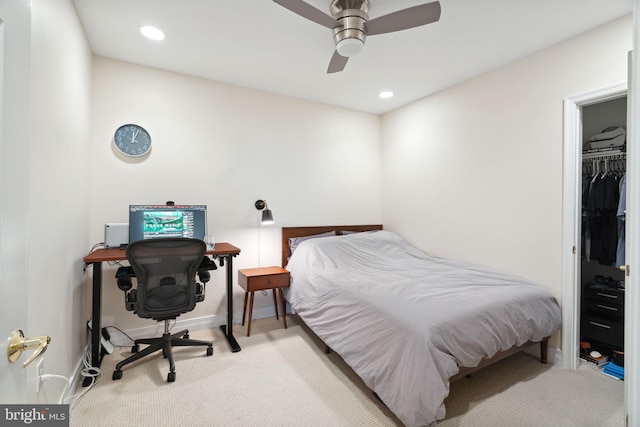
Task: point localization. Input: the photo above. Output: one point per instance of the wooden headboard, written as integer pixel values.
(288, 232)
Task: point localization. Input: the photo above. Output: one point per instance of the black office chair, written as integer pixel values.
(165, 270)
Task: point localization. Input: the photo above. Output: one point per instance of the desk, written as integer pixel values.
(222, 251)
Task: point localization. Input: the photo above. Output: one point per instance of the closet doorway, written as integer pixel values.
(575, 109)
(602, 238)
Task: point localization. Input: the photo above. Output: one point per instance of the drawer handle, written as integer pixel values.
(600, 324)
(606, 307)
(607, 295)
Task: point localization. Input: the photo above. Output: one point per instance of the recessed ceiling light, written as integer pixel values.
(152, 33)
(385, 94)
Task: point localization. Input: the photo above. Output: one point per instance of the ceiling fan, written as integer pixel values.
(351, 25)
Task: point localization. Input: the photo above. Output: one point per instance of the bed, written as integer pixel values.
(407, 322)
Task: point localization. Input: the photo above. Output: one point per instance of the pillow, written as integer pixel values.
(345, 232)
(295, 241)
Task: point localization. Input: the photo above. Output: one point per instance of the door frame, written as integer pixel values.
(571, 211)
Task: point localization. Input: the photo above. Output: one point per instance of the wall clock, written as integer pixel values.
(132, 140)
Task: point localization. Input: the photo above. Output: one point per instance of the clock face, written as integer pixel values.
(132, 140)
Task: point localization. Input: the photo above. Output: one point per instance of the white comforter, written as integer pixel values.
(404, 320)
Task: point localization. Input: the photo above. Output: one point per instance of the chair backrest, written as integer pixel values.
(165, 270)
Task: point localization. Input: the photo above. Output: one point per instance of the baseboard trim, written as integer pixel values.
(213, 321)
(554, 355)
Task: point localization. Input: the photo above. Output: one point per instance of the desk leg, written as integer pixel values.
(227, 329)
(96, 325)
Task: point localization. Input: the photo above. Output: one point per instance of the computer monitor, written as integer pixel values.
(158, 221)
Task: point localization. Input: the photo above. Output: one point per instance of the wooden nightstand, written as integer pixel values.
(261, 279)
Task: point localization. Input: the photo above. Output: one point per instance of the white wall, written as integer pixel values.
(475, 172)
(58, 184)
(226, 147)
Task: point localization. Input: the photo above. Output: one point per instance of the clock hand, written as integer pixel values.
(133, 138)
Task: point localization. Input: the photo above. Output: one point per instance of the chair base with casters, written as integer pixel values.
(164, 343)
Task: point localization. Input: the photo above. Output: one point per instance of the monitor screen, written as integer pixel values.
(158, 221)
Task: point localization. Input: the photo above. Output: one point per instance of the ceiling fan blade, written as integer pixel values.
(404, 19)
(337, 63)
(307, 11)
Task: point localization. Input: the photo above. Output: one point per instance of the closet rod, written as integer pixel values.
(618, 155)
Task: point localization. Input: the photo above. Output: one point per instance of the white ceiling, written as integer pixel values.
(261, 45)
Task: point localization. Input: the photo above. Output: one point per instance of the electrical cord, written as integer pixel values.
(47, 377)
(87, 372)
(114, 263)
(93, 248)
(123, 333)
(96, 246)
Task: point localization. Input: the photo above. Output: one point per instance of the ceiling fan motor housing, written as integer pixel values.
(351, 34)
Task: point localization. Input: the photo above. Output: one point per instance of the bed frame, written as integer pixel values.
(466, 372)
(289, 232)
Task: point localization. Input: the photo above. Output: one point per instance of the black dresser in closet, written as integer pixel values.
(603, 313)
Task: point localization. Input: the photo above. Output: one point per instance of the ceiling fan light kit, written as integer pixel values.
(349, 47)
(351, 25)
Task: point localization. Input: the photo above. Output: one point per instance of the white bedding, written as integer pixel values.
(404, 320)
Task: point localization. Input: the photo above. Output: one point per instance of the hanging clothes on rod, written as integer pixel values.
(622, 216)
(602, 175)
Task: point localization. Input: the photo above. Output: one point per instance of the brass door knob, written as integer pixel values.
(18, 344)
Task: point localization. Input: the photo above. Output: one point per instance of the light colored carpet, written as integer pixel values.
(283, 378)
(521, 391)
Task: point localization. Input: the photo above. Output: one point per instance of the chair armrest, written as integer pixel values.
(125, 272)
(204, 276)
(123, 278)
(131, 300)
(199, 292)
(207, 264)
